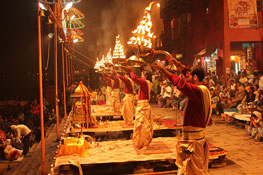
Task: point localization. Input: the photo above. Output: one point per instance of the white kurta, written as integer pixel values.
(115, 96)
(108, 95)
(127, 109)
(143, 125)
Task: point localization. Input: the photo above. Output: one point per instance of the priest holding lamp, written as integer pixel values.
(115, 93)
(127, 110)
(192, 148)
(143, 124)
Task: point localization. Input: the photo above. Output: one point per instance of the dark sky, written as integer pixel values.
(104, 19)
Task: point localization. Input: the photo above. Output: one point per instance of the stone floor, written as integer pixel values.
(245, 155)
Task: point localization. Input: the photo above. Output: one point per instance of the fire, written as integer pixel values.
(142, 34)
(118, 51)
(99, 66)
(104, 63)
(108, 58)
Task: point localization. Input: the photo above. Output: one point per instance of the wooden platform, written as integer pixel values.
(102, 154)
(103, 110)
(109, 130)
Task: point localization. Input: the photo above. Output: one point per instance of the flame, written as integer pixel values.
(142, 34)
(118, 51)
(108, 58)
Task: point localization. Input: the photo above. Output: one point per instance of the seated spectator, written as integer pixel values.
(214, 99)
(217, 89)
(205, 82)
(250, 96)
(175, 98)
(52, 117)
(214, 77)
(21, 118)
(243, 78)
(2, 144)
(224, 97)
(247, 86)
(260, 101)
(93, 98)
(237, 99)
(251, 78)
(214, 96)
(155, 87)
(255, 86)
(255, 127)
(166, 95)
(11, 153)
(101, 98)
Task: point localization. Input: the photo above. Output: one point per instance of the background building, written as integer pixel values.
(221, 35)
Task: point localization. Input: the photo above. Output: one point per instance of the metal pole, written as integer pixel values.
(41, 90)
(56, 70)
(63, 76)
(66, 58)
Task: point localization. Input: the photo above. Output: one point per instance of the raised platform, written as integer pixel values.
(103, 111)
(162, 152)
(109, 130)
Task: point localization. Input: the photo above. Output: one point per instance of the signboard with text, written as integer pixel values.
(242, 13)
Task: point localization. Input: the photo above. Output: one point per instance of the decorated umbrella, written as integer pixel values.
(83, 93)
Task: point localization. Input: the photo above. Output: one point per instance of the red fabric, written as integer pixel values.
(14, 155)
(128, 86)
(101, 102)
(214, 150)
(258, 55)
(108, 81)
(194, 112)
(143, 92)
(169, 123)
(2, 135)
(116, 84)
(36, 109)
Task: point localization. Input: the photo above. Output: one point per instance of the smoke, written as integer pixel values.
(121, 18)
(104, 19)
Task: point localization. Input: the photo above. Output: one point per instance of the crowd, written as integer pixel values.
(20, 127)
(237, 91)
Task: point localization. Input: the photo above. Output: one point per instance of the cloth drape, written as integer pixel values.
(115, 96)
(108, 95)
(127, 108)
(143, 125)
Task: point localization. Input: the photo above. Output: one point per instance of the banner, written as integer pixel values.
(242, 13)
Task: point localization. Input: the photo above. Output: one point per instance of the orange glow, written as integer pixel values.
(118, 51)
(108, 58)
(104, 63)
(142, 34)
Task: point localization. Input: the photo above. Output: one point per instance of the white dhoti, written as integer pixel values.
(115, 96)
(192, 152)
(143, 125)
(127, 108)
(108, 95)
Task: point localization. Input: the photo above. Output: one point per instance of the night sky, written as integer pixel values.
(104, 19)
